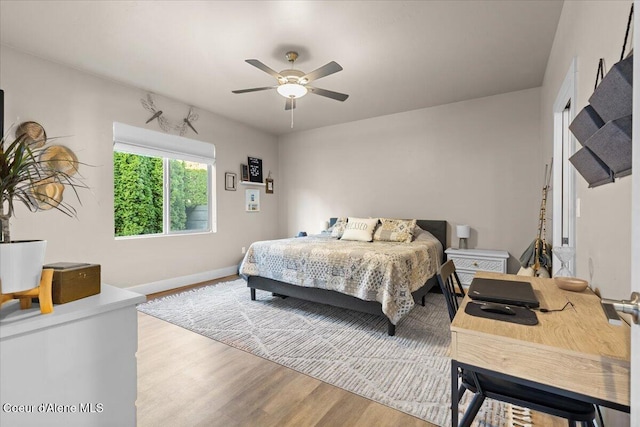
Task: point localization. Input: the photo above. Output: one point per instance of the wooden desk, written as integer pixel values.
(575, 352)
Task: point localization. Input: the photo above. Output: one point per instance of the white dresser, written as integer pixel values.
(468, 261)
(73, 367)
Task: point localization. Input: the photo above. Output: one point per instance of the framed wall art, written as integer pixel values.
(252, 200)
(255, 169)
(230, 181)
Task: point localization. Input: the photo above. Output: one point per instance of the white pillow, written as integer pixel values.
(360, 229)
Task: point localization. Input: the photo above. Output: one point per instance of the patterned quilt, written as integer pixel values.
(386, 272)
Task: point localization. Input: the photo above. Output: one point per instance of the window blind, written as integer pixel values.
(134, 140)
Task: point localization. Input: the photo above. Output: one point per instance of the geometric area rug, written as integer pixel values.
(350, 350)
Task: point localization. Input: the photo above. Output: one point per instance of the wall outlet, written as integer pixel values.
(244, 250)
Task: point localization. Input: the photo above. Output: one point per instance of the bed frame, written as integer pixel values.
(337, 299)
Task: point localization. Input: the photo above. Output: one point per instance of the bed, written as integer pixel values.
(394, 276)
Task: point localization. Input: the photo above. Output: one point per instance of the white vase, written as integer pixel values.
(21, 265)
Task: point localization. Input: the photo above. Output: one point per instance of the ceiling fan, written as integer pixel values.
(294, 84)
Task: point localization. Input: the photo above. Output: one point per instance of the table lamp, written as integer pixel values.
(463, 232)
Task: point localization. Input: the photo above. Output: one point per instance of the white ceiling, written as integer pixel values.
(397, 56)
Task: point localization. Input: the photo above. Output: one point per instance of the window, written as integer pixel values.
(163, 184)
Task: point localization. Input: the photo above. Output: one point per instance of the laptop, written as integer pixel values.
(503, 292)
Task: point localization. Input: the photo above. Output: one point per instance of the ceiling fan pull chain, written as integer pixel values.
(292, 112)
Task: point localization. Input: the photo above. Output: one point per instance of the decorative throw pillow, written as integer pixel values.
(395, 230)
(338, 227)
(360, 229)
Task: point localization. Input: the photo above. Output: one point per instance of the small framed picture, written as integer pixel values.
(255, 169)
(269, 187)
(244, 176)
(230, 181)
(252, 200)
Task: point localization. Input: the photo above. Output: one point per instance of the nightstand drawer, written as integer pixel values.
(476, 264)
(468, 261)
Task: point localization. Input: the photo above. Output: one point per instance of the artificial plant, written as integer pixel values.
(27, 178)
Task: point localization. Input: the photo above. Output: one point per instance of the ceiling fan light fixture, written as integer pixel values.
(292, 90)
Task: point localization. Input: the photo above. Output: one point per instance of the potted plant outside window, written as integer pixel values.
(34, 174)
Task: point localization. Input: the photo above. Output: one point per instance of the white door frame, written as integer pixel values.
(566, 95)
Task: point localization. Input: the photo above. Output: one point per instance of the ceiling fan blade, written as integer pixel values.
(328, 93)
(290, 103)
(255, 89)
(264, 68)
(325, 70)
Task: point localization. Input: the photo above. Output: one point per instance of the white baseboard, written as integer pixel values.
(178, 282)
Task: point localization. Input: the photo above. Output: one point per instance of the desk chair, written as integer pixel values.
(484, 386)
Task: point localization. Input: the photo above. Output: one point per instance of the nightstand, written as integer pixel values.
(468, 261)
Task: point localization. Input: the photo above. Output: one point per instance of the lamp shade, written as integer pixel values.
(292, 90)
(463, 231)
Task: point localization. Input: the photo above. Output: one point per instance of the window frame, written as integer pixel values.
(564, 194)
(167, 147)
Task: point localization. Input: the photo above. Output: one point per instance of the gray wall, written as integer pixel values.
(588, 31)
(69, 102)
(475, 162)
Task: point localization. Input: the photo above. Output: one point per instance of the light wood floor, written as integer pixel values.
(185, 379)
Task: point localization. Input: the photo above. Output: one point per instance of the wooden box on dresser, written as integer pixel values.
(73, 367)
(468, 261)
